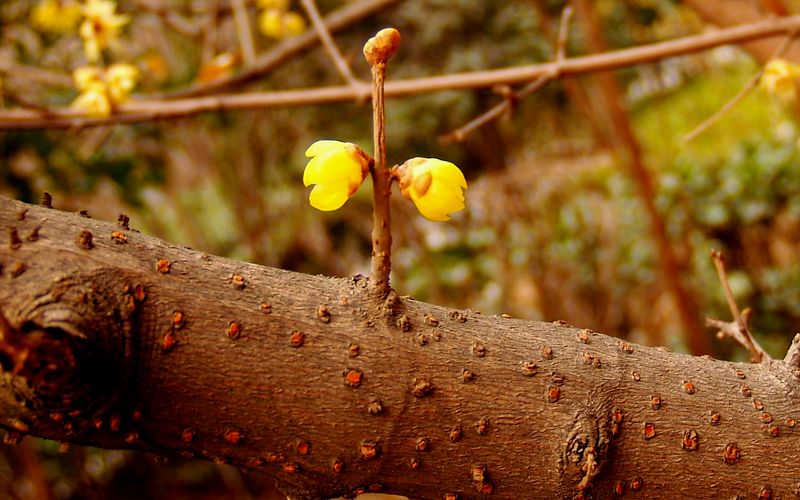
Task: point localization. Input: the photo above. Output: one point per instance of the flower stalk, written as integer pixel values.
(377, 52)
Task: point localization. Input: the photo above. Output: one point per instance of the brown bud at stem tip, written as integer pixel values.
(382, 46)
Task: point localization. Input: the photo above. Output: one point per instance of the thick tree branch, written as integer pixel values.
(146, 110)
(125, 341)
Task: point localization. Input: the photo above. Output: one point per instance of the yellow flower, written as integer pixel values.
(56, 16)
(277, 23)
(780, 79)
(436, 187)
(93, 100)
(100, 91)
(337, 169)
(100, 26)
(120, 80)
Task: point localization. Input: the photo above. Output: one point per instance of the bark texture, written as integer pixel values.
(120, 340)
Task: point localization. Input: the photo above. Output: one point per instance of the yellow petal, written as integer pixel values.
(326, 197)
(85, 76)
(93, 101)
(322, 146)
(121, 80)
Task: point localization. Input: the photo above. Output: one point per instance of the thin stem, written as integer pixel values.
(739, 328)
(244, 33)
(748, 87)
(327, 41)
(719, 264)
(381, 188)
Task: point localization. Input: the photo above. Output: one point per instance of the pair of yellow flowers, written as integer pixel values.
(339, 168)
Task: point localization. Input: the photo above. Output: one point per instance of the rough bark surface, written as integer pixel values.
(125, 341)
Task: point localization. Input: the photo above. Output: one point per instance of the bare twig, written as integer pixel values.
(32, 73)
(209, 22)
(325, 37)
(739, 328)
(244, 32)
(154, 109)
(748, 87)
(461, 133)
(563, 33)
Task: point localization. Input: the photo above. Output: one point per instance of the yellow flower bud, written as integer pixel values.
(780, 79)
(93, 100)
(435, 186)
(120, 80)
(338, 169)
(382, 46)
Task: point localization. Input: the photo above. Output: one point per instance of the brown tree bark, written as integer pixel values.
(115, 339)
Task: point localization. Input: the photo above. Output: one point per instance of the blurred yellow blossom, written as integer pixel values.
(100, 27)
(86, 76)
(101, 90)
(780, 79)
(56, 16)
(279, 23)
(338, 169)
(120, 80)
(93, 100)
(435, 186)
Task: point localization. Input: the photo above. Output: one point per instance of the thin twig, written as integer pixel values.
(244, 32)
(210, 31)
(739, 328)
(563, 33)
(748, 87)
(496, 111)
(156, 109)
(325, 37)
(378, 50)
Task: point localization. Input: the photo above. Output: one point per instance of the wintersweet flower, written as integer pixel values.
(120, 80)
(100, 91)
(93, 100)
(338, 169)
(100, 26)
(56, 16)
(780, 79)
(435, 186)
